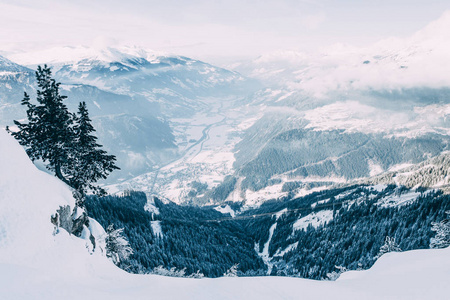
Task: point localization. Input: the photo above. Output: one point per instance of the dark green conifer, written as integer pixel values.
(63, 140)
(91, 162)
(48, 135)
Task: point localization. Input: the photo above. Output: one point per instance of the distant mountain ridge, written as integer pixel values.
(132, 95)
(173, 82)
(195, 133)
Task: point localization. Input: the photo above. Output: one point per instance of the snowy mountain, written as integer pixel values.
(145, 105)
(432, 173)
(172, 83)
(340, 114)
(281, 153)
(195, 133)
(15, 80)
(37, 264)
(344, 113)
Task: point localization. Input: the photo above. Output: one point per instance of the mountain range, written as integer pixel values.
(284, 123)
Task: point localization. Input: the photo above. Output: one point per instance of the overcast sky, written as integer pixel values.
(214, 31)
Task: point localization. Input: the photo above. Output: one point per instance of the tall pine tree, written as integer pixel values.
(91, 162)
(48, 135)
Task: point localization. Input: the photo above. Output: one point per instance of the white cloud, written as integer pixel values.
(197, 28)
(419, 61)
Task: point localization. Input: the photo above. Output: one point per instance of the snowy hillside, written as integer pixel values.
(28, 198)
(432, 173)
(35, 264)
(413, 275)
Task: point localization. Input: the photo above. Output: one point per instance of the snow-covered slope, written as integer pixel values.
(432, 173)
(28, 199)
(35, 264)
(420, 274)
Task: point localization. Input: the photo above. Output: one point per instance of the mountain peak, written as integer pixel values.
(9, 66)
(69, 54)
(438, 29)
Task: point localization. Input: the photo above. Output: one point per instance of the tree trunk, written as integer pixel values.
(59, 174)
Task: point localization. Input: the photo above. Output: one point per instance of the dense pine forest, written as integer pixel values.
(201, 240)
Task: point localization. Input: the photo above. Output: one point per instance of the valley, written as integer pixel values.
(205, 144)
(197, 134)
(224, 150)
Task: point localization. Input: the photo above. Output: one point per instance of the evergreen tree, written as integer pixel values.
(442, 238)
(232, 272)
(63, 140)
(333, 276)
(48, 135)
(117, 247)
(389, 246)
(91, 163)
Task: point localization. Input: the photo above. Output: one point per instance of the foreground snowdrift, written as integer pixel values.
(35, 264)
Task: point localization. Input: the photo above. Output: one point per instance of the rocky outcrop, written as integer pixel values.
(75, 221)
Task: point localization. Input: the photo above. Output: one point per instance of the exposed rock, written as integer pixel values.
(73, 221)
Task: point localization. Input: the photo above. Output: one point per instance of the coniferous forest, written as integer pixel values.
(203, 240)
